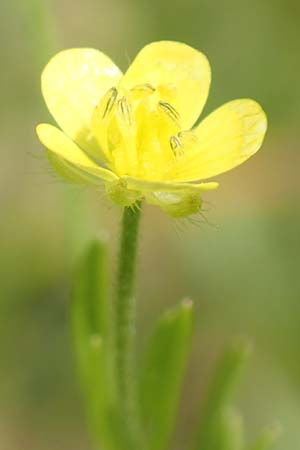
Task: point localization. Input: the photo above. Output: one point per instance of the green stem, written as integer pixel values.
(125, 323)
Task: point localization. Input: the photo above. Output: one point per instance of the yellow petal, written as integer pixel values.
(224, 139)
(72, 84)
(58, 143)
(166, 186)
(180, 73)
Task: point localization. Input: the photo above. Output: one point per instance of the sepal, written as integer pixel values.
(118, 192)
(176, 204)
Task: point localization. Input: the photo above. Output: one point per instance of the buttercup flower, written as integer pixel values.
(134, 132)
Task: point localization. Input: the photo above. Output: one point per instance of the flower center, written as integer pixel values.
(139, 132)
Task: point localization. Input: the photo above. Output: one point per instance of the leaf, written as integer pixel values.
(230, 431)
(268, 439)
(163, 372)
(90, 319)
(220, 394)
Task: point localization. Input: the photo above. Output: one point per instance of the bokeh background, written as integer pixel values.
(239, 262)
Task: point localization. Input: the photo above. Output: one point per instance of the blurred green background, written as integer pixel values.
(240, 263)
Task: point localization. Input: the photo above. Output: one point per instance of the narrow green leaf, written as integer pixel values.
(220, 393)
(268, 439)
(162, 373)
(230, 430)
(90, 318)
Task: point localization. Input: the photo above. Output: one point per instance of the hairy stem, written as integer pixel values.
(126, 324)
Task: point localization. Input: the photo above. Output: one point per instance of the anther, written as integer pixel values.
(125, 109)
(188, 138)
(143, 87)
(170, 110)
(176, 145)
(112, 95)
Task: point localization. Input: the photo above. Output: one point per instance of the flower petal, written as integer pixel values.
(224, 139)
(168, 186)
(58, 143)
(72, 84)
(180, 73)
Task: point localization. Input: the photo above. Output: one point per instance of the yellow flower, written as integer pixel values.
(134, 131)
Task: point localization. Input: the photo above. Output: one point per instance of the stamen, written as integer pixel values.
(125, 109)
(188, 139)
(143, 87)
(112, 95)
(176, 145)
(168, 109)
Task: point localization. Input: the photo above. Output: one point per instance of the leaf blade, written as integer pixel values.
(268, 438)
(90, 319)
(163, 373)
(220, 393)
(230, 431)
